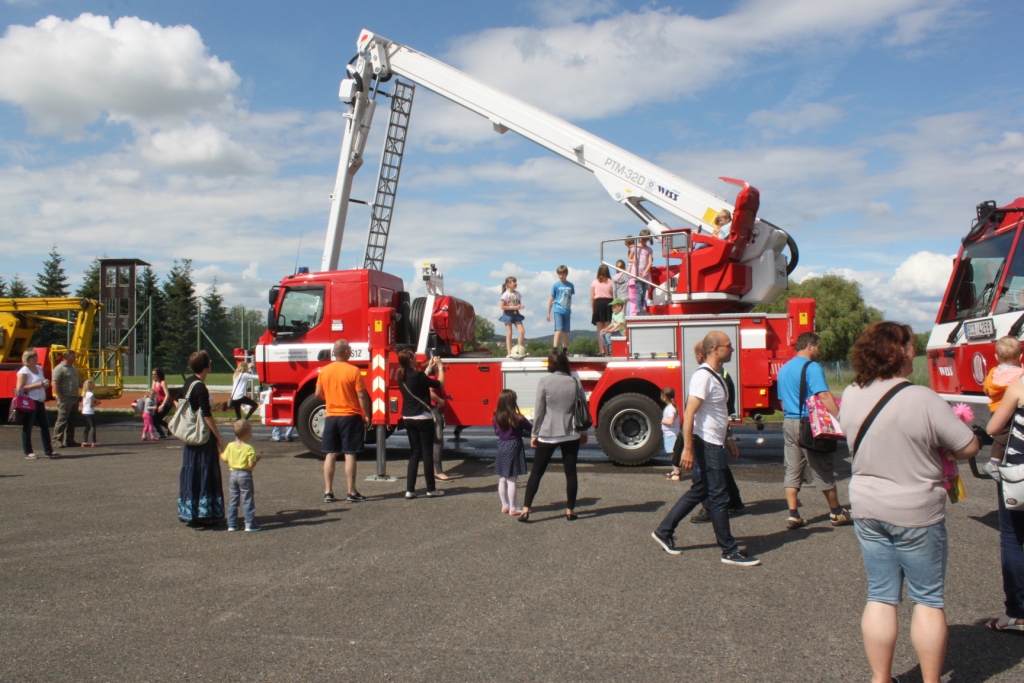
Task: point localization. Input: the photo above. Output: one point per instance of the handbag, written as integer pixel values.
(1012, 482)
(807, 438)
(22, 403)
(187, 424)
(434, 413)
(823, 424)
(581, 419)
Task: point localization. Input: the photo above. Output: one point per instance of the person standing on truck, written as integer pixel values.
(601, 295)
(705, 431)
(561, 305)
(240, 385)
(340, 385)
(65, 390)
(805, 364)
(511, 304)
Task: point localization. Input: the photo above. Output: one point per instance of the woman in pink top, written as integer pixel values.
(640, 258)
(601, 296)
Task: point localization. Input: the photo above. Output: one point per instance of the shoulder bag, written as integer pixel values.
(435, 413)
(807, 439)
(187, 424)
(874, 413)
(1012, 482)
(581, 419)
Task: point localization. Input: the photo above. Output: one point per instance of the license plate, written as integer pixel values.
(980, 329)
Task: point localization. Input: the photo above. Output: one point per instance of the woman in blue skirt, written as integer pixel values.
(200, 491)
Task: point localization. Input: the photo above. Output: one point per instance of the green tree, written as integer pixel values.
(90, 287)
(18, 289)
(484, 332)
(149, 293)
(841, 314)
(215, 325)
(538, 347)
(584, 346)
(3, 289)
(53, 283)
(178, 322)
(245, 327)
(921, 343)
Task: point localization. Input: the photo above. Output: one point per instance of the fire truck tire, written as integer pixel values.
(629, 429)
(310, 423)
(416, 318)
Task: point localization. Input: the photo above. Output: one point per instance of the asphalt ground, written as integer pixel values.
(100, 582)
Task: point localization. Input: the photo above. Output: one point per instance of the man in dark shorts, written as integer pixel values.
(341, 386)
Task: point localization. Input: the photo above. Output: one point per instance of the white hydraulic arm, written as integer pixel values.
(629, 179)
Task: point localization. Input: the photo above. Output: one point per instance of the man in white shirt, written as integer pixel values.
(705, 430)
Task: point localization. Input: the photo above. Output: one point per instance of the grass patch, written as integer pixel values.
(214, 378)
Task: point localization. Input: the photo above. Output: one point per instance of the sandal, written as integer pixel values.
(678, 476)
(442, 477)
(1005, 623)
(504, 511)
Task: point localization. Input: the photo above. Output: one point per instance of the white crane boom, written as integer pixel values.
(629, 179)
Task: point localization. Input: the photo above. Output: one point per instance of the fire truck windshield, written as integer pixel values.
(977, 275)
(301, 310)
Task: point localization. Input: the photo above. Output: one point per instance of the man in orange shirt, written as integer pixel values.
(341, 386)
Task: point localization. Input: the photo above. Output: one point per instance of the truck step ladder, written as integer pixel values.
(387, 180)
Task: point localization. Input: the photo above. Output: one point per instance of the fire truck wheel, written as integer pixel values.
(629, 429)
(310, 423)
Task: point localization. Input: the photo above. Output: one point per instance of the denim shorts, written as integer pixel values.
(894, 553)
(561, 321)
(669, 441)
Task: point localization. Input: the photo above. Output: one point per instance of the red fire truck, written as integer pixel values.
(700, 283)
(984, 300)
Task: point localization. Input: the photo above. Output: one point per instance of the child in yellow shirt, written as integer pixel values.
(1008, 353)
(241, 458)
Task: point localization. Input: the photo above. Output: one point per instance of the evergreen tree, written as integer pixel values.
(52, 283)
(90, 287)
(3, 289)
(178, 322)
(215, 325)
(149, 292)
(18, 289)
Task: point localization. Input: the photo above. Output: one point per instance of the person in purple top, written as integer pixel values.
(510, 462)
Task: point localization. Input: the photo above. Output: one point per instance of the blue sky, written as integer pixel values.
(211, 131)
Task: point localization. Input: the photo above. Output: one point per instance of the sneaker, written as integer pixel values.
(275, 439)
(991, 470)
(740, 559)
(844, 518)
(435, 493)
(355, 497)
(253, 527)
(668, 543)
(702, 517)
(409, 495)
(291, 438)
(795, 523)
(733, 511)
(232, 528)
(329, 498)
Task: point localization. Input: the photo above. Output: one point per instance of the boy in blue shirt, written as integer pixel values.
(561, 305)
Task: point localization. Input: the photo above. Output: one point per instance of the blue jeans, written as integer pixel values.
(1011, 554)
(562, 320)
(893, 553)
(709, 483)
(606, 337)
(40, 417)
(240, 484)
(283, 433)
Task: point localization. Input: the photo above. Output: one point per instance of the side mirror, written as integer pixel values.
(272, 319)
(272, 295)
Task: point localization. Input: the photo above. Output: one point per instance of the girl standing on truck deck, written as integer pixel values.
(510, 462)
(511, 303)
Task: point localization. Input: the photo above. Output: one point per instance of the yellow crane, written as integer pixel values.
(20, 320)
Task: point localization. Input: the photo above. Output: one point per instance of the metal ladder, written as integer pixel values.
(387, 180)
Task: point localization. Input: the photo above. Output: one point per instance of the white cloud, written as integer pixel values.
(201, 149)
(810, 116)
(66, 74)
(911, 294)
(585, 71)
(566, 11)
